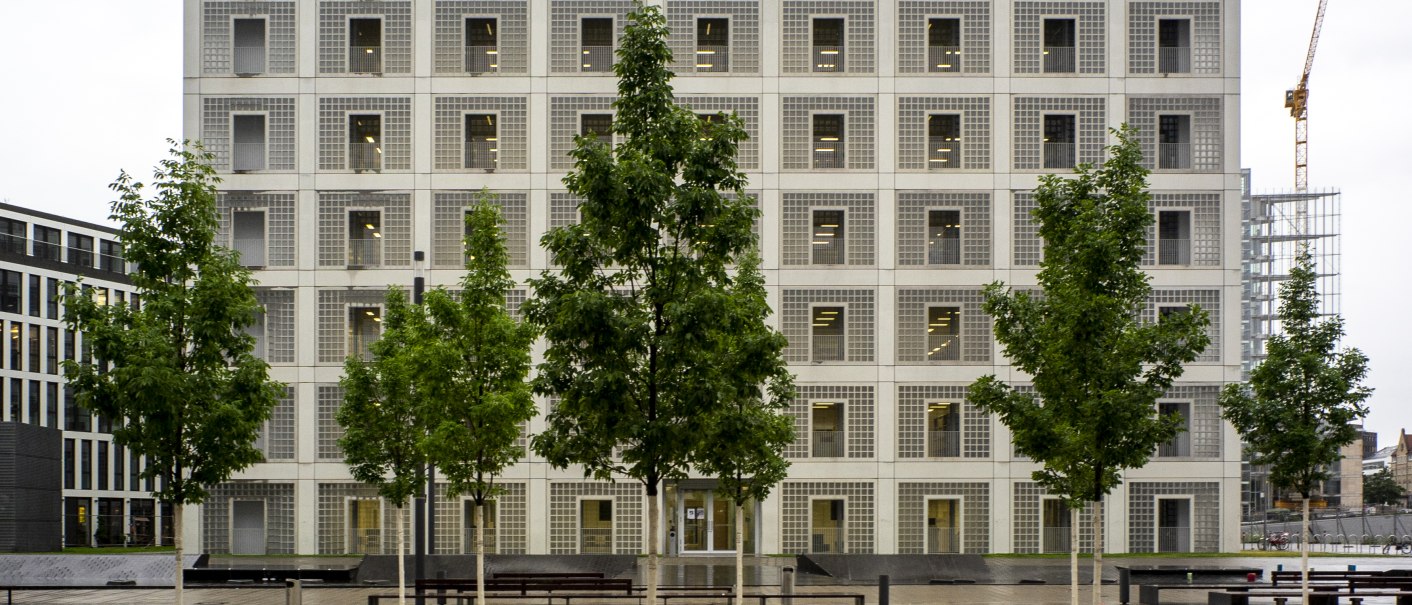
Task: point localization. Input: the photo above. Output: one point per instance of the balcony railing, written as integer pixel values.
(489, 540)
(596, 540)
(14, 244)
(111, 263)
(365, 253)
(253, 537)
(1174, 59)
(1059, 155)
(1179, 446)
(827, 444)
(943, 347)
(365, 59)
(360, 345)
(1059, 59)
(943, 251)
(943, 153)
(826, 540)
(247, 156)
(365, 541)
(597, 58)
(828, 154)
(944, 59)
(942, 540)
(1172, 251)
(48, 251)
(1056, 539)
(713, 58)
(251, 250)
(944, 444)
(482, 59)
(80, 257)
(364, 156)
(1174, 539)
(482, 154)
(827, 347)
(828, 58)
(1174, 156)
(249, 60)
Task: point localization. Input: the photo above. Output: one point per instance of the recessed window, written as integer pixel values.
(14, 236)
(365, 46)
(1056, 526)
(364, 328)
(110, 256)
(828, 140)
(1180, 445)
(248, 143)
(47, 243)
(826, 334)
(595, 526)
(598, 125)
(828, 44)
(1174, 46)
(826, 238)
(482, 136)
(943, 333)
(1173, 525)
(713, 50)
(249, 46)
(365, 526)
(826, 526)
(482, 45)
(943, 525)
(943, 237)
(248, 237)
(364, 239)
(11, 292)
(256, 330)
(596, 42)
(943, 45)
(1174, 237)
(1059, 141)
(1174, 142)
(943, 141)
(827, 430)
(1059, 46)
(489, 516)
(943, 429)
(1172, 311)
(80, 250)
(365, 142)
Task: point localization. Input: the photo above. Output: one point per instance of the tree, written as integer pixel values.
(1381, 488)
(747, 435)
(473, 371)
(1097, 367)
(1298, 410)
(637, 321)
(177, 374)
(384, 415)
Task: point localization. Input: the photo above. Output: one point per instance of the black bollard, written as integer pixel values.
(883, 597)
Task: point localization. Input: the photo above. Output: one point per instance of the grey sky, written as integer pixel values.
(93, 87)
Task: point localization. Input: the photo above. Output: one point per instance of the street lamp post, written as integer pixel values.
(424, 505)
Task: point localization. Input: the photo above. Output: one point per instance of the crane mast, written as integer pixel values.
(1297, 100)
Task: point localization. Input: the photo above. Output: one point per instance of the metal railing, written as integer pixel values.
(1178, 446)
(251, 250)
(596, 540)
(365, 59)
(482, 154)
(365, 541)
(1174, 156)
(828, 58)
(943, 153)
(828, 154)
(944, 443)
(1174, 539)
(14, 244)
(713, 58)
(944, 59)
(364, 156)
(470, 540)
(1174, 60)
(249, 60)
(80, 257)
(943, 251)
(1172, 251)
(111, 263)
(247, 541)
(943, 347)
(827, 347)
(1055, 539)
(942, 540)
(365, 252)
(47, 251)
(247, 156)
(596, 58)
(826, 540)
(826, 444)
(1059, 59)
(1059, 155)
(482, 59)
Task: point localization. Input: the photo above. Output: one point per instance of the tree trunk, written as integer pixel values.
(653, 528)
(401, 560)
(1073, 556)
(1097, 552)
(1304, 555)
(480, 554)
(739, 553)
(176, 541)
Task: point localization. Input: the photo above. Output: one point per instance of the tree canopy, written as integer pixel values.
(1381, 488)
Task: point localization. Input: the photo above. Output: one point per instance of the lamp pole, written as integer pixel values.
(423, 504)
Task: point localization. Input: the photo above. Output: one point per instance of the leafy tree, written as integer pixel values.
(1381, 488)
(1097, 367)
(1298, 410)
(473, 371)
(384, 415)
(747, 436)
(637, 321)
(178, 374)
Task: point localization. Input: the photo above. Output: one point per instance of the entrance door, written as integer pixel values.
(365, 527)
(76, 521)
(708, 523)
(1174, 525)
(943, 526)
(247, 527)
(1056, 526)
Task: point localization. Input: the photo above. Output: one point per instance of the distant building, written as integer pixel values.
(1380, 460)
(1401, 466)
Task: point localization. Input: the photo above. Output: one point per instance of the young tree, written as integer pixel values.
(747, 435)
(1381, 488)
(1097, 367)
(637, 320)
(473, 371)
(384, 415)
(178, 374)
(1298, 409)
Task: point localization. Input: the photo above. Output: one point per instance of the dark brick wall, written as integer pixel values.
(31, 463)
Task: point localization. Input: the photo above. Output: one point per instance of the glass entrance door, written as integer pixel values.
(708, 522)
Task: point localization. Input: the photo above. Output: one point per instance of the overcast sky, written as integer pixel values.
(92, 87)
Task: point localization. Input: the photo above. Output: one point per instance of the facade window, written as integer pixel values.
(1174, 237)
(713, 44)
(596, 44)
(365, 526)
(17, 388)
(85, 464)
(365, 45)
(827, 330)
(1169, 311)
(829, 140)
(80, 250)
(826, 526)
(596, 527)
(826, 429)
(47, 244)
(943, 237)
(1181, 444)
(943, 429)
(468, 524)
(248, 146)
(51, 303)
(827, 234)
(943, 333)
(943, 141)
(13, 236)
(364, 238)
(256, 330)
(34, 355)
(1056, 526)
(11, 290)
(599, 125)
(69, 337)
(828, 42)
(69, 464)
(103, 473)
(943, 45)
(35, 406)
(110, 256)
(364, 328)
(247, 234)
(365, 142)
(16, 347)
(1174, 142)
(1060, 136)
(1174, 46)
(943, 526)
(1060, 46)
(482, 45)
(35, 296)
(1173, 525)
(51, 350)
(249, 47)
(481, 141)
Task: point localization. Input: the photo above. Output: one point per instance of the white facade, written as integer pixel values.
(356, 131)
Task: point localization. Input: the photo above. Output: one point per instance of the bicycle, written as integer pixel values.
(1402, 546)
(1277, 541)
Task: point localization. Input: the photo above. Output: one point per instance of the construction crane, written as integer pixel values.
(1297, 100)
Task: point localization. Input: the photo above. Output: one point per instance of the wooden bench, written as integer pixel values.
(1326, 595)
(1150, 594)
(525, 586)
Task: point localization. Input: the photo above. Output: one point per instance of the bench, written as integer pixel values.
(638, 599)
(1150, 594)
(526, 575)
(1324, 596)
(549, 584)
(1209, 575)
